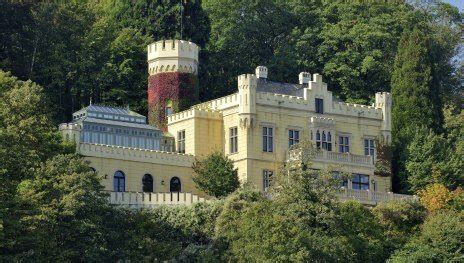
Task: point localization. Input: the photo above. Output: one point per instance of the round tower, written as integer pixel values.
(172, 81)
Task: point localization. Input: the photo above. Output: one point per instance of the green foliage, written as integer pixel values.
(400, 220)
(437, 158)
(27, 138)
(440, 240)
(415, 96)
(66, 211)
(215, 175)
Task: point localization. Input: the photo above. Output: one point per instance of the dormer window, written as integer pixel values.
(319, 106)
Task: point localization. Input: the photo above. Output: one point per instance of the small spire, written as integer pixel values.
(90, 101)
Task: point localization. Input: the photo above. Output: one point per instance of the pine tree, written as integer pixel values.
(416, 100)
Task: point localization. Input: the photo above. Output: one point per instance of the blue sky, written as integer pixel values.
(458, 3)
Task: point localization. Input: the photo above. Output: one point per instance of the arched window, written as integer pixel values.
(119, 182)
(147, 183)
(175, 185)
(67, 137)
(93, 169)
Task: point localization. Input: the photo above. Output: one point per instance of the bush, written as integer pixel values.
(216, 175)
(440, 239)
(399, 220)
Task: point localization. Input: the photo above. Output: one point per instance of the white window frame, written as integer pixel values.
(344, 144)
(369, 149)
(268, 138)
(181, 141)
(325, 140)
(292, 139)
(233, 140)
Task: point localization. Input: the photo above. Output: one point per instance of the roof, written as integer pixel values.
(291, 89)
(114, 110)
(120, 123)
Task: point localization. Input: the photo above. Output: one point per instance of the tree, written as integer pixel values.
(67, 211)
(416, 98)
(440, 239)
(215, 175)
(301, 221)
(399, 220)
(436, 196)
(27, 138)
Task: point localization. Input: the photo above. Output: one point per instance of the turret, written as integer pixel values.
(383, 101)
(304, 77)
(247, 84)
(172, 81)
(261, 72)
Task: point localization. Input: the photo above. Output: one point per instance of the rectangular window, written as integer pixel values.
(233, 140)
(320, 106)
(181, 141)
(369, 147)
(360, 182)
(168, 111)
(267, 179)
(293, 137)
(324, 140)
(268, 139)
(343, 144)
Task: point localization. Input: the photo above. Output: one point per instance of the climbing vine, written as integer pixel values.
(178, 89)
(383, 166)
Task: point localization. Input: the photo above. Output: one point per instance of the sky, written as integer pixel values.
(458, 3)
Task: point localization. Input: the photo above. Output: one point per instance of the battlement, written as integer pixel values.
(194, 113)
(245, 80)
(172, 56)
(135, 154)
(383, 99)
(342, 108)
(220, 103)
(356, 110)
(173, 48)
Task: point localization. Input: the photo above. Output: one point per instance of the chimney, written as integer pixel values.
(304, 77)
(261, 72)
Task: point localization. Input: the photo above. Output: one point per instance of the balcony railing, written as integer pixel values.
(371, 197)
(146, 200)
(335, 157)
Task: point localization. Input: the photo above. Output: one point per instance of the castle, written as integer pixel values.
(254, 127)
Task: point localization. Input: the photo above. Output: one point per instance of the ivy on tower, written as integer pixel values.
(172, 81)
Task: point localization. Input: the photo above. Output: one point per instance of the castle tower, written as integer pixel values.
(172, 81)
(383, 100)
(247, 84)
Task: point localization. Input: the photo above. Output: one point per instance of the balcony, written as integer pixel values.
(367, 197)
(330, 157)
(147, 200)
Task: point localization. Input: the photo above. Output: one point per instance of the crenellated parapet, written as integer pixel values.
(173, 56)
(299, 103)
(136, 154)
(356, 110)
(220, 103)
(194, 113)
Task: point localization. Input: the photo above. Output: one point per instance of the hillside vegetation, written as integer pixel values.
(57, 56)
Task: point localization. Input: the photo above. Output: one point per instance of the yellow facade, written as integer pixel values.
(250, 111)
(209, 126)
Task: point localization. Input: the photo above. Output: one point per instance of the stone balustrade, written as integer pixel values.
(367, 197)
(147, 200)
(334, 157)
